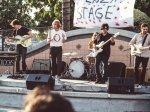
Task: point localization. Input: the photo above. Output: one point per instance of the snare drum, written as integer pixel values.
(76, 58)
(91, 59)
(77, 68)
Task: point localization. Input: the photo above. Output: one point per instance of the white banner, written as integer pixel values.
(93, 13)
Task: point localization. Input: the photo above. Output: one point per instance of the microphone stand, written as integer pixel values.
(130, 56)
(50, 68)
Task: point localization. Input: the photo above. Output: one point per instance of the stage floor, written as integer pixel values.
(81, 93)
(68, 85)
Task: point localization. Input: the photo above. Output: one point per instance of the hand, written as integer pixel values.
(112, 39)
(134, 48)
(23, 40)
(63, 36)
(7, 39)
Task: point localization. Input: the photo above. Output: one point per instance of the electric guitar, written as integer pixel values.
(95, 52)
(138, 50)
(18, 40)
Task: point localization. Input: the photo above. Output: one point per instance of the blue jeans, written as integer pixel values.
(21, 52)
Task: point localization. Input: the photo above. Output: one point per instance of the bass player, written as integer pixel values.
(21, 31)
(105, 54)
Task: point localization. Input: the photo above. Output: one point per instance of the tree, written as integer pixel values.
(14, 9)
(139, 18)
(143, 5)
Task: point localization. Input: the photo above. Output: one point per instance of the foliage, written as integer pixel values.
(139, 18)
(15, 9)
(143, 5)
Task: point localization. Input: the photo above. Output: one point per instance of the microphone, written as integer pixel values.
(49, 27)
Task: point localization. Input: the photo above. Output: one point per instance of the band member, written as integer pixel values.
(56, 37)
(91, 42)
(142, 38)
(21, 31)
(105, 54)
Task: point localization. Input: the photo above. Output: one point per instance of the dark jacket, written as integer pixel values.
(106, 47)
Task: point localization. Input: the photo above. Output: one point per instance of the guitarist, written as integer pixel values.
(91, 42)
(141, 38)
(20, 30)
(105, 54)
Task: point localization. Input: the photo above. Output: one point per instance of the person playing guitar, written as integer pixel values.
(105, 54)
(141, 53)
(90, 57)
(20, 31)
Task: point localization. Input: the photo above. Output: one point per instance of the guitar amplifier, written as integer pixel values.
(120, 85)
(130, 73)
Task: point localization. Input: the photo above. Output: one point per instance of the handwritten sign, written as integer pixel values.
(93, 13)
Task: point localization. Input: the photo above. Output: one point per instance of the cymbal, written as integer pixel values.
(70, 54)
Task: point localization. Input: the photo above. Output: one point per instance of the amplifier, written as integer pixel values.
(120, 85)
(130, 73)
(39, 80)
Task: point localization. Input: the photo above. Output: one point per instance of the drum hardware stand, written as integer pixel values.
(66, 68)
(92, 74)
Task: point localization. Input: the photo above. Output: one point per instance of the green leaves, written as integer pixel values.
(15, 9)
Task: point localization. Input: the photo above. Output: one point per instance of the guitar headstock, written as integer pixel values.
(116, 34)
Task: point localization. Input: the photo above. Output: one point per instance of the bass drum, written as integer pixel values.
(77, 68)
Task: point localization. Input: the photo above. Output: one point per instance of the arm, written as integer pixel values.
(64, 38)
(132, 42)
(112, 39)
(30, 35)
(49, 39)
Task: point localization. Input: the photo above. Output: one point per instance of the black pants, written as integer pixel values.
(21, 52)
(100, 59)
(56, 59)
(144, 61)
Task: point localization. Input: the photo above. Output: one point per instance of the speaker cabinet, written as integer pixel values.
(130, 73)
(33, 81)
(120, 85)
(116, 69)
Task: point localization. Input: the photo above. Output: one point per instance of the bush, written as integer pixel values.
(139, 18)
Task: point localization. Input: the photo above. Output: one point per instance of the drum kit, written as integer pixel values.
(77, 67)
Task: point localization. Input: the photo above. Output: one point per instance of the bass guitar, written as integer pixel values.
(138, 50)
(18, 40)
(99, 46)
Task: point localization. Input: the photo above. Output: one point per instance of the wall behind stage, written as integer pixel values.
(117, 52)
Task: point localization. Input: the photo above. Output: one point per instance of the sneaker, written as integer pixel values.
(57, 79)
(20, 76)
(53, 77)
(23, 72)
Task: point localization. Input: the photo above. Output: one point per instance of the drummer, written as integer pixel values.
(90, 46)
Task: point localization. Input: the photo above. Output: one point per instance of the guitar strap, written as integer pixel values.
(144, 39)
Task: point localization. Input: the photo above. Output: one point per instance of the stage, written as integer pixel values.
(85, 96)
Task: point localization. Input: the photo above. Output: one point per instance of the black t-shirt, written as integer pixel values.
(106, 47)
(22, 31)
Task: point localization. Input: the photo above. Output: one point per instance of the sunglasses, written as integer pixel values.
(104, 28)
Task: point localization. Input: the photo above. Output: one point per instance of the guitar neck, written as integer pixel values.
(110, 39)
(106, 42)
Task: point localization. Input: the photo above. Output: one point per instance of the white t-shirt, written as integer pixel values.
(57, 41)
